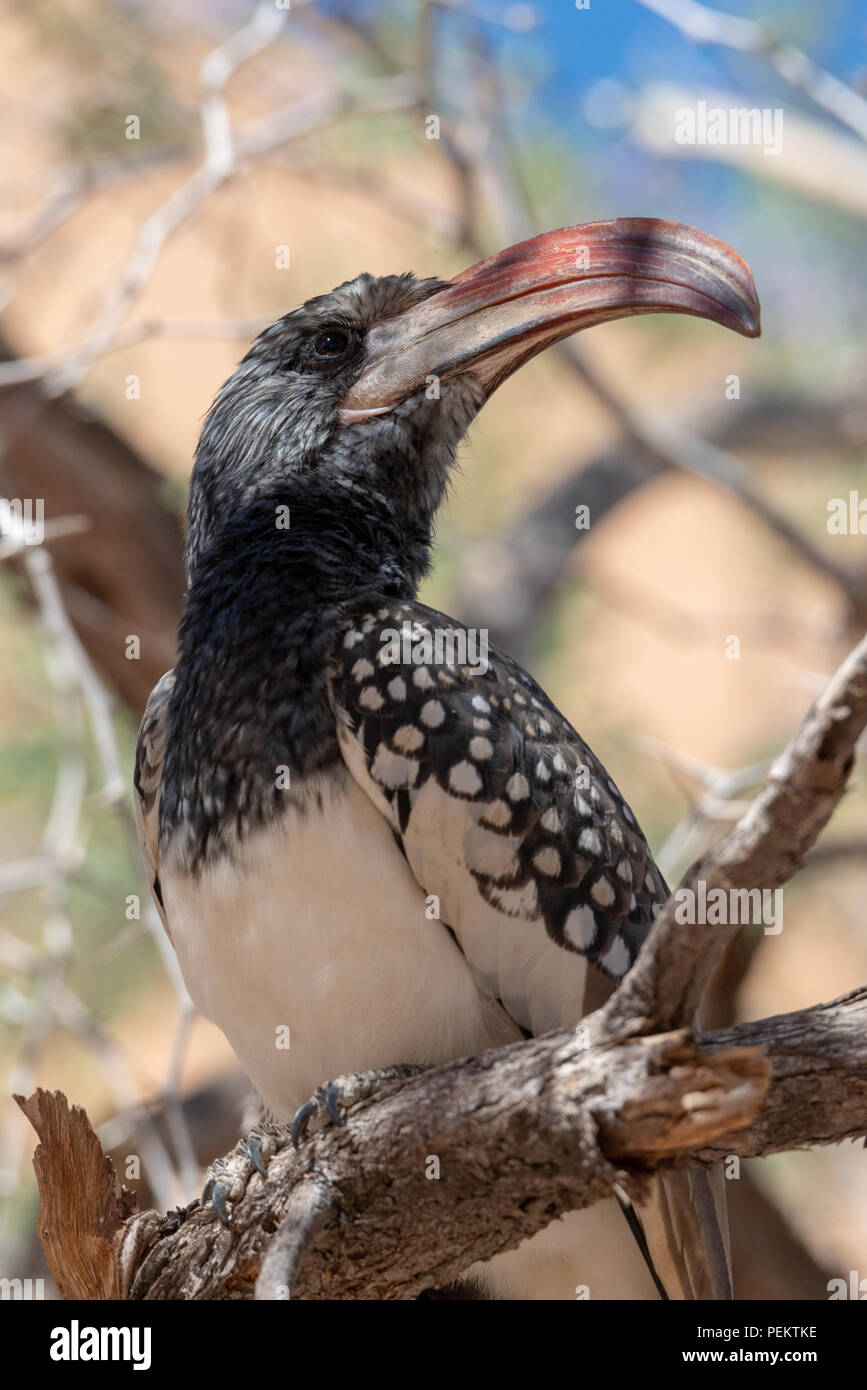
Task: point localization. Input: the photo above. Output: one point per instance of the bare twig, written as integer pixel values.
(658, 441)
(22, 369)
(705, 25)
(805, 783)
(80, 693)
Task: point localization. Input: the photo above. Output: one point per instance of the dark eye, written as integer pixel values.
(331, 343)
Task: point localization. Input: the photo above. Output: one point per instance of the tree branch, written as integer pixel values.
(473, 1157)
(763, 851)
(705, 25)
(520, 1135)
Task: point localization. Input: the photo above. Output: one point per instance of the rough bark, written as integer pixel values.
(525, 1133)
(83, 1207)
(520, 1135)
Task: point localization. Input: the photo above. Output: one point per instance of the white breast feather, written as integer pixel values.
(284, 939)
(321, 928)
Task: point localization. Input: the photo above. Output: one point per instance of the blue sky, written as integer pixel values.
(808, 255)
(622, 39)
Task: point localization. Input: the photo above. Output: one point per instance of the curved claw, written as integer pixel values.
(300, 1121)
(207, 1190)
(332, 1098)
(218, 1201)
(253, 1149)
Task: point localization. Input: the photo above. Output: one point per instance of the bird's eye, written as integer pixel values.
(331, 343)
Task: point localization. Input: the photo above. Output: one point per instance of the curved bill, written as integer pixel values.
(495, 316)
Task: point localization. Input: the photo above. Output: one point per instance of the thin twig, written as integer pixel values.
(705, 25)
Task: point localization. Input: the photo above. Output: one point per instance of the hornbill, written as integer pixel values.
(319, 769)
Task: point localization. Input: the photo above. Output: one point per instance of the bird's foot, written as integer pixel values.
(227, 1177)
(328, 1102)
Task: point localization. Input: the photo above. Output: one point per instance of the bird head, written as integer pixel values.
(368, 390)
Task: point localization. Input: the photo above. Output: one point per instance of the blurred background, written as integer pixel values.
(175, 177)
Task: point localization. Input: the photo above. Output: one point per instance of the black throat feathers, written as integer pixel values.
(250, 718)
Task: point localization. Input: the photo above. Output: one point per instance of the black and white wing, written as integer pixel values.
(513, 826)
(149, 753)
(503, 812)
